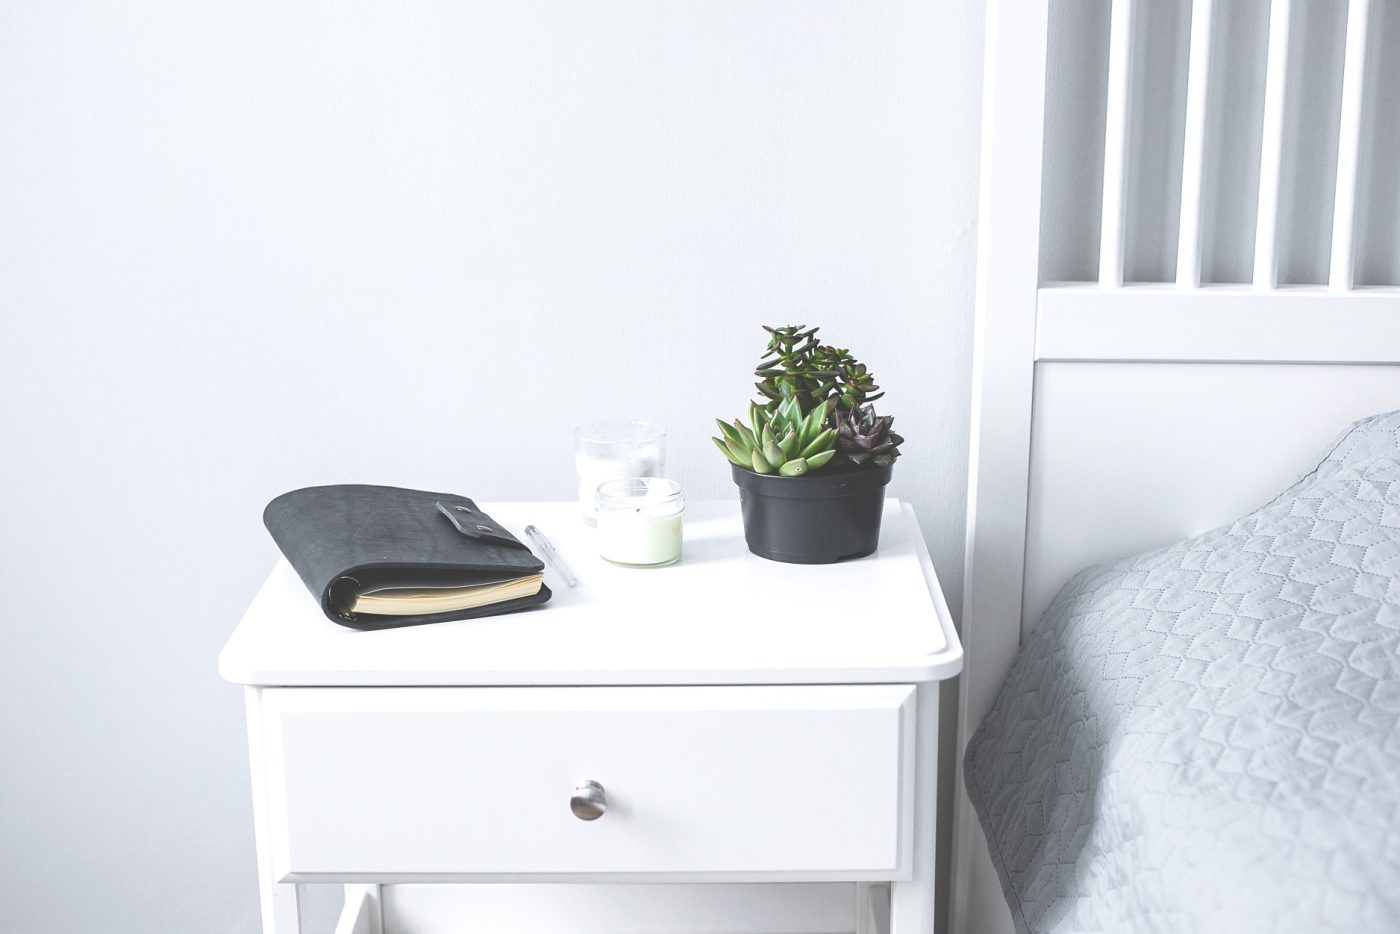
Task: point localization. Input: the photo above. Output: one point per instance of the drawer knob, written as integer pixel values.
(588, 802)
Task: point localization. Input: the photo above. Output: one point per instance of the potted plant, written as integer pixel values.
(813, 461)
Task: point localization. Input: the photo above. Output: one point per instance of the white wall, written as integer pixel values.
(248, 247)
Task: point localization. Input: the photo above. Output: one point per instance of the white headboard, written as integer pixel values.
(1233, 323)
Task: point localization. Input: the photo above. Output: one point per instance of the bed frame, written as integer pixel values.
(1113, 416)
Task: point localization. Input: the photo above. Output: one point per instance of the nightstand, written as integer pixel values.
(754, 741)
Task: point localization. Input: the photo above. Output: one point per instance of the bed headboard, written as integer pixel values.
(1187, 286)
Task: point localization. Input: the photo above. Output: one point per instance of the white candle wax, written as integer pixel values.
(642, 529)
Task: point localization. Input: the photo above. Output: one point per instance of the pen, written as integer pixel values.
(550, 555)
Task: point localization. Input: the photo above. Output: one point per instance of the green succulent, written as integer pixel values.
(797, 364)
(853, 383)
(864, 437)
(815, 405)
(784, 441)
(788, 369)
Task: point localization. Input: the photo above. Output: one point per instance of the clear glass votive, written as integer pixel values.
(615, 450)
(639, 521)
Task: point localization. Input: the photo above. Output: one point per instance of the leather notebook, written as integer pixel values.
(381, 557)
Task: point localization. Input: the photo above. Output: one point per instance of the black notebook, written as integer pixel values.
(379, 557)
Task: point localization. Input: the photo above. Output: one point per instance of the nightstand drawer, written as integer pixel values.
(790, 781)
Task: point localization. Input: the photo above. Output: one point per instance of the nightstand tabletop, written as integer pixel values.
(719, 616)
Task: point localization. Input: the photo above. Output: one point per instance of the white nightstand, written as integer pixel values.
(762, 738)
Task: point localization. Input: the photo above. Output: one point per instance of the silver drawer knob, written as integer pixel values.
(588, 802)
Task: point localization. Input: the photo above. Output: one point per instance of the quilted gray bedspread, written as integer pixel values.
(1206, 737)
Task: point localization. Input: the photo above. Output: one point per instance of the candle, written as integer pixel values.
(615, 451)
(639, 521)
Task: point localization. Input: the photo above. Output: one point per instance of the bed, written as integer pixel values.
(1172, 329)
(1206, 736)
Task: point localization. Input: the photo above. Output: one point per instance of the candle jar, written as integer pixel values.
(615, 450)
(639, 521)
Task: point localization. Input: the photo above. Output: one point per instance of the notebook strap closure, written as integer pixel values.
(473, 523)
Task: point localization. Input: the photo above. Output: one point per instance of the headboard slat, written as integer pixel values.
(1188, 245)
(1117, 140)
(1266, 223)
(1342, 272)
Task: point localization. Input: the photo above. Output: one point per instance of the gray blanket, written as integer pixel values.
(1206, 737)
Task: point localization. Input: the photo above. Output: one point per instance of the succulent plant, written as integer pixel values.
(788, 369)
(815, 405)
(852, 382)
(866, 438)
(785, 441)
(797, 364)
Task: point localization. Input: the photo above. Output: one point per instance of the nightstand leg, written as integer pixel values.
(911, 908)
(281, 901)
(372, 908)
(281, 906)
(912, 903)
(872, 909)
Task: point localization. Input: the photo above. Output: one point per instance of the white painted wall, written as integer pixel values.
(248, 247)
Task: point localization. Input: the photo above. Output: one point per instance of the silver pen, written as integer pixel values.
(550, 555)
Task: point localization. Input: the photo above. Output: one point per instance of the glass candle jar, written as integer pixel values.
(639, 521)
(615, 450)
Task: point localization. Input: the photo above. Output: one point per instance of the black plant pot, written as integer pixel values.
(821, 518)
